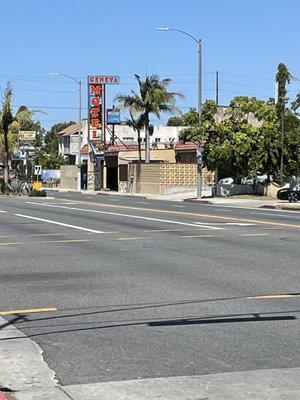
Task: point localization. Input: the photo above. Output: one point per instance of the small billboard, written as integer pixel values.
(113, 116)
(27, 136)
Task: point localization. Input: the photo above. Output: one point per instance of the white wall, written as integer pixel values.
(161, 134)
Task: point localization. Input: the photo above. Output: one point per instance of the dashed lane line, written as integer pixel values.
(134, 238)
(2, 211)
(28, 311)
(49, 221)
(273, 296)
(45, 242)
(254, 234)
(166, 221)
(196, 236)
(190, 214)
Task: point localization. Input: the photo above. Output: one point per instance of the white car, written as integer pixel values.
(226, 181)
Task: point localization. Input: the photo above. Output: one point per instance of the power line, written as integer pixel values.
(247, 76)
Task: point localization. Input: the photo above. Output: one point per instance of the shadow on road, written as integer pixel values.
(215, 319)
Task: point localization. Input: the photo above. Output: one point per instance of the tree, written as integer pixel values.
(48, 156)
(51, 137)
(153, 97)
(9, 127)
(283, 77)
(195, 132)
(49, 161)
(137, 124)
(189, 118)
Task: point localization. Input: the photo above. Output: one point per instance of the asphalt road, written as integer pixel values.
(151, 288)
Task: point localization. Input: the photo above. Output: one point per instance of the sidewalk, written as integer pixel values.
(190, 197)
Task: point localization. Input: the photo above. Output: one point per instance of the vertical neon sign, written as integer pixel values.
(95, 112)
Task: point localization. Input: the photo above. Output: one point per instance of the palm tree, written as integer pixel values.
(137, 125)
(10, 126)
(153, 98)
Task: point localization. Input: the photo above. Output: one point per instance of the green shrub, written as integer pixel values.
(37, 193)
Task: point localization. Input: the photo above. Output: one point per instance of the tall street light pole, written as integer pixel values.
(79, 124)
(199, 89)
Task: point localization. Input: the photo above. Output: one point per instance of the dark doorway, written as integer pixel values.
(112, 178)
(112, 172)
(84, 175)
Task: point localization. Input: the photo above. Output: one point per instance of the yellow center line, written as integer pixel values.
(190, 214)
(28, 311)
(196, 236)
(274, 296)
(134, 238)
(164, 230)
(254, 234)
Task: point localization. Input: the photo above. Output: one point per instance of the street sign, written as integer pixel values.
(113, 116)
(199, 155)
(38, 170)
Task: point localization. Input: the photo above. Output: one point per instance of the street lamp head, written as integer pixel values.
(163, 28)
(54, 73)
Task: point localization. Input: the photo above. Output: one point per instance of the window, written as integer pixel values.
(157, 140)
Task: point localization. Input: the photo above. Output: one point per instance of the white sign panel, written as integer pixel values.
(27, 136)
(38, 170)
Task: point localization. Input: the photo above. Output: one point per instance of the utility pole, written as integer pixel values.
(217, 104)
(79, 124)
(217, 88)
(282, 140)
(6, 155)
(199, 90)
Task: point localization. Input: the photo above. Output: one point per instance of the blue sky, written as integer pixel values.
(243, 40)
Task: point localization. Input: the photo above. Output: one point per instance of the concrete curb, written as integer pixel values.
(275, 384)
(281, 207)
(199, 201)
(21, 363)
(133, 196)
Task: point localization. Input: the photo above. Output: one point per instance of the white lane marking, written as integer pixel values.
(49, 221)
(226, 223)
(88, 197)
(68, 195)
(1, 211)
(222, 209)
(275, 215)
(142, 202)
(167, 221)
(175, 205)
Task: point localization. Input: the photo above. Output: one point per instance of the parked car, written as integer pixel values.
(259, 179)
(225, 181)
(290, 194)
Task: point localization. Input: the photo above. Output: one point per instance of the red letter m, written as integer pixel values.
(95, 89)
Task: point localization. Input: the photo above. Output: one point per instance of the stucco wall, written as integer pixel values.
(68, 177)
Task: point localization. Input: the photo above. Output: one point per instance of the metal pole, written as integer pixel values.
(199, 79)
(199, 165)
(217, 88)
(79, 137)
(147, 150)
(282, 139)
